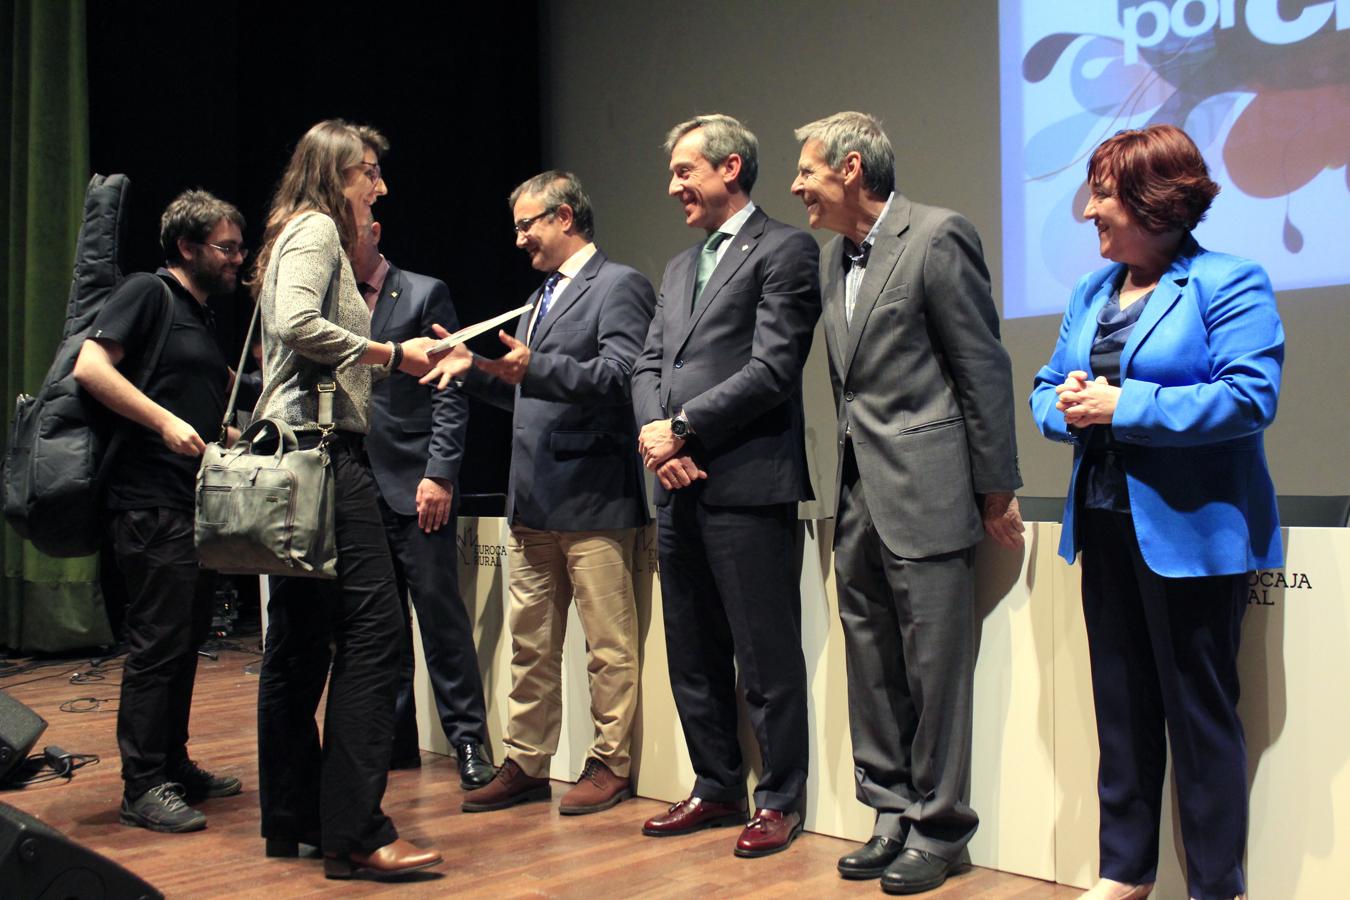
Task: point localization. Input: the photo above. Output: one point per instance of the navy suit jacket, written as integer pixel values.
(1200, 379)
(415, 432)
(734, 363)
(574, 458)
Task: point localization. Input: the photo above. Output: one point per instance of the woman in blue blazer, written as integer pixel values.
(1165, 375)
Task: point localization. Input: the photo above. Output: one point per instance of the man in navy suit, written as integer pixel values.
(576, 496)
(718, 390)
(415, 445)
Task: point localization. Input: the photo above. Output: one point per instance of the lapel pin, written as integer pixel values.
(393, 293)
(744, 247)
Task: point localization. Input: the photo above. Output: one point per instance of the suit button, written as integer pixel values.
(848, 396)
(679, 364)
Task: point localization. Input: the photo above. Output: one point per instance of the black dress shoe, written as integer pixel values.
(916, 871)
(475, 769)
(870, 860)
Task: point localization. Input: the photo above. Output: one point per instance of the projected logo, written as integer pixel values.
(1263, 86)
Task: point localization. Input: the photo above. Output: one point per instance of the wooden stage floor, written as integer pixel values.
(527, 851)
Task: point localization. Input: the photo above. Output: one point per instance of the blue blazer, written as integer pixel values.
(415, 432)
(574, 456)
(1200, 379)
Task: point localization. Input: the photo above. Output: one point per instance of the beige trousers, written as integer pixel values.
(550, 569)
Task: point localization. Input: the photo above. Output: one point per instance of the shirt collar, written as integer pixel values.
(733, 225)
(852, 252)
(377, 277)
(577, 261)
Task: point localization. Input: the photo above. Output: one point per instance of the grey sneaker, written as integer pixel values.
(199, 784)
(162, 809)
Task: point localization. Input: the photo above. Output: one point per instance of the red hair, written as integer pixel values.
(1158, 174)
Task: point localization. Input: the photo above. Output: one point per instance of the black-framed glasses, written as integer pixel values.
(228, 250)
(523, 225)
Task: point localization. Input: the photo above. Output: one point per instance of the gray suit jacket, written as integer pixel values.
(733, 363)
(921, 379)
(415, 432)
(574, 459)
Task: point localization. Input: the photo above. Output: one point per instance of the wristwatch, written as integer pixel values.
(679, 425)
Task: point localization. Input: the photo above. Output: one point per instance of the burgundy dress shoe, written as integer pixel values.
(770, 831)
(390, 861)
(694, 814)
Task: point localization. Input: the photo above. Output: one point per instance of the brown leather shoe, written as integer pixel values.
(390, 861)
(598, 788)
(510, 786)
(770, 831)
(694, 814)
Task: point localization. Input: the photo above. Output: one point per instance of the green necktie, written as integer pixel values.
(707, 261)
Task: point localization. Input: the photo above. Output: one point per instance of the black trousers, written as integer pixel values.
(167, 617)
(1164, 651)
(332, 792)
(731, 598)
(427, 567)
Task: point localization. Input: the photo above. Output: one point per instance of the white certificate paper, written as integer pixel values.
(470, 331)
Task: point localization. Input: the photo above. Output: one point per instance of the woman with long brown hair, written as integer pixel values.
(316, 328)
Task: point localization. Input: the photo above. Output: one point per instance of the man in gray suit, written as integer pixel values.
(415, 445)
(576, 495)
(718, 391)
(927, 465)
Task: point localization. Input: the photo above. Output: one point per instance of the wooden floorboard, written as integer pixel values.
(528, 851)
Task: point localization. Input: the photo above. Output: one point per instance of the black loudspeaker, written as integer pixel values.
(20, 728)
(37, 862)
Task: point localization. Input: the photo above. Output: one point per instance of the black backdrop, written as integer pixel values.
(215, 96)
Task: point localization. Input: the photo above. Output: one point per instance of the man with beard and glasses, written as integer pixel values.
(149, 496)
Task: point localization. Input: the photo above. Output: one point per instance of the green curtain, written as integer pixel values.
(46, 605)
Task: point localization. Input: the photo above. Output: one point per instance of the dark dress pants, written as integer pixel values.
(909, 629)
(427, 567)
(1164, 651)
(731, 596)
(333, 791)
(167, 617)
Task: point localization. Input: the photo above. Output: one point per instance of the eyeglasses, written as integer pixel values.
(371, 170)
(523, 225)
(229, 250)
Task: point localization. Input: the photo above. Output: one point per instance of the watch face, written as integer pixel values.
(679, 427)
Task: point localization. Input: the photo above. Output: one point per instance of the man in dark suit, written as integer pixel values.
(928, 464)
(415, 445)
(576, 496)
(718, 391)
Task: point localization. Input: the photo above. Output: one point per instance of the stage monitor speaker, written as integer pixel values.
(37, 862)
(20, 728)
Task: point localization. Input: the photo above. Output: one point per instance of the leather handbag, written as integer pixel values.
(265, 506)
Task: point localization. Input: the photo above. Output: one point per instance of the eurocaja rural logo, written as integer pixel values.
(472, 553)
(1263, 586)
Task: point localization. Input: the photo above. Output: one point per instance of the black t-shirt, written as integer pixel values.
(189, 381)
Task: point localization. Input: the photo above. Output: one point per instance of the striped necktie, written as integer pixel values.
(545, 302)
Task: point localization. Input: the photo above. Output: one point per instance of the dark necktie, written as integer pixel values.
(707, 261)
(545, 302)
